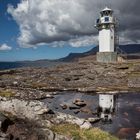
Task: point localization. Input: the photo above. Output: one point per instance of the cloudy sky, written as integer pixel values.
(38, 29)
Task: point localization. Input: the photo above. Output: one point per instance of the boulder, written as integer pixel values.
(4, 136)
(86, 125)
(76, 111)
(79, 102)
(126, 132)
(63, 106)
(4, 122)
(49, 96)
(23, 109)
(93, 120)
(74, 107)
(63, 118)
(86, 110)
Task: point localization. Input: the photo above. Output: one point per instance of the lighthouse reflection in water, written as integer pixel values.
(106, 107)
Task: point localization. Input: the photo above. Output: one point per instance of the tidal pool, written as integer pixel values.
(125, 120)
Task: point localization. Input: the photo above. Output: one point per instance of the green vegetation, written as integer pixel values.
(73, 131)
(38, 85)
(134, 74)
(8, 76)
(6, 93)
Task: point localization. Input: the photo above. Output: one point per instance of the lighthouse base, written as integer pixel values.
(106, 57)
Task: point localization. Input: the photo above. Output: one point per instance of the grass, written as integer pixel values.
(73, 131)
(7, 76)
(134, 74)
(6, 93)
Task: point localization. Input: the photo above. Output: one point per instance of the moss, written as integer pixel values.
(38, 85)
(73, 131)
(134, 74)
(7, 76)
(6, 93)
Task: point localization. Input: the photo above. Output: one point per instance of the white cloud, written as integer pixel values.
(49, 21)
(5, 47)
(84, 41)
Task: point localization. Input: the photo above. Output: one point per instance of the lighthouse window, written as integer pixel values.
(106, 19)
(98, 21)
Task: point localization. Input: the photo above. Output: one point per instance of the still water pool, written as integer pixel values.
(125, 121)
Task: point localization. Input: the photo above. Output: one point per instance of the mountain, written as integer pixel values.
(132, 51)
(75, 56)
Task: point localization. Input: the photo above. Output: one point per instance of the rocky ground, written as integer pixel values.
(24, 117)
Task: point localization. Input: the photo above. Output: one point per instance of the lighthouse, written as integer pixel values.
(106, 25)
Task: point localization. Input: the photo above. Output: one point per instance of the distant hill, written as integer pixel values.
(75, 56)
(37, 63)
(132, 50)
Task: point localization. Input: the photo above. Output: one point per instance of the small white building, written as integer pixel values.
(106, 25)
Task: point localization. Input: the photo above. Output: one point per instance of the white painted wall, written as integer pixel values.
(106, 40)
(106, 101)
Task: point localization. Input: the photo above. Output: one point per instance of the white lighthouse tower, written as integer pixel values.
(106, 25)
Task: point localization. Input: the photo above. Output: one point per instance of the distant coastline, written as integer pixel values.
(13, 65)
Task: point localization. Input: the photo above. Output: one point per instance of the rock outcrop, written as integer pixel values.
(23, 109)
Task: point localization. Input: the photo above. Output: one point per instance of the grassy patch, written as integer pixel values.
(6, 93)
(38, 85)
(7, 76)
(134, 74)
(73, 131)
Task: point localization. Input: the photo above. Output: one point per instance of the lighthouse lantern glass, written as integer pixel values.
(106, 19)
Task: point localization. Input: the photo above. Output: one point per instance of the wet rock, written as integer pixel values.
(56, 107)
(86, 125)
(95, 113)
(93, 120)
(126, 114)
(74, 107)
(49, 96)
(79, 102)
(4, 123)
(126, 132)
(138, 109)
(63, 106)
(86, 110)
(76, 112)
(62, 118)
